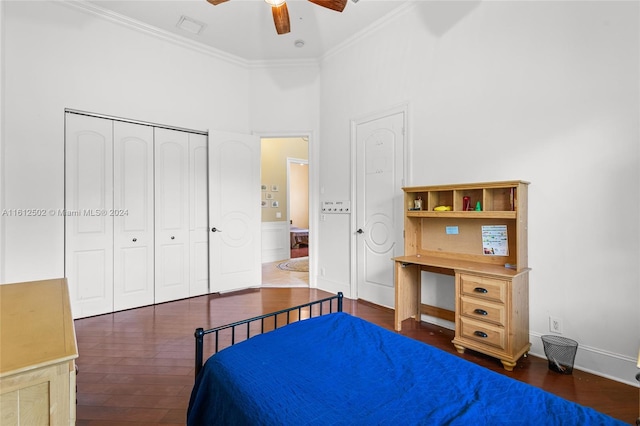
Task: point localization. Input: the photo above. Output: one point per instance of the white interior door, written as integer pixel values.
(133, 207)
(234, 211)
(172, 215)
(88, 226)
(379, 211)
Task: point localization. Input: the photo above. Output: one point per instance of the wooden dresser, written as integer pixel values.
(477, 233)
(37, 354)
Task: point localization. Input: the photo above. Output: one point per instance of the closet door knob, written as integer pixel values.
(215, 230)
(173, 238)
(360, 231)
(135, 239)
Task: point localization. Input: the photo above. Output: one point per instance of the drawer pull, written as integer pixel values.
(481, 334)
(480, 312)
(480, 290)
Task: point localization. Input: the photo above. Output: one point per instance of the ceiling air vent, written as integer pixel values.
(191, 25)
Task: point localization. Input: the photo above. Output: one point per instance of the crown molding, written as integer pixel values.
(285, 63)
(408, 7)
(178, 40)
(141, 27)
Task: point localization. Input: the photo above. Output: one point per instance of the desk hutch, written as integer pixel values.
(491, 287)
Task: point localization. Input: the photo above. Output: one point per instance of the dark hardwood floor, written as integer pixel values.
(136, 366)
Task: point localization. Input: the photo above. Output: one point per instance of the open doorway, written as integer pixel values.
(298, 206)
(285, 211)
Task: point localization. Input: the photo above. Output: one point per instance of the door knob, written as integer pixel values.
(215, 230)
(135, 239)
(360, 231)
(173, 238)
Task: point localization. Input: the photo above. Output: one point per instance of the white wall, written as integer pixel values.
(540, 91)
(284, 98)
(285, 102)
(57, 57)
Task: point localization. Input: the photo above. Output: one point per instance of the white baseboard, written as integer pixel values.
(601, 363)
(438, 321)
(595, 361)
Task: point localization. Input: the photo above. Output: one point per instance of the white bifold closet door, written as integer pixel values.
(89, 232)
(133, 211)
(172, 214)
(181, 245)
(136, 230)
(198, 215)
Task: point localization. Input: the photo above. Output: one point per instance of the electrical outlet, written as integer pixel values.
(555, 325)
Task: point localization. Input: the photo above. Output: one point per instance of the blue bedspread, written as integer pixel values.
(341, 370)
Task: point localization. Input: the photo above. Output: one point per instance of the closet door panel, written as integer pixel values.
(133, 209)
(171, 215)
(198, 215)
(88, 226)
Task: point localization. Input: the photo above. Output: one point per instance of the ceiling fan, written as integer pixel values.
(281, 13)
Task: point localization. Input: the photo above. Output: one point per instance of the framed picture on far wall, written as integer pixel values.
(274, 203)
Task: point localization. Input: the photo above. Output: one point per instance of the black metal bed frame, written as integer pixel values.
(200, 332)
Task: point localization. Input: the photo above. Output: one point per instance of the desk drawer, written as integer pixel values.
(483, 311)
(483, 288)
(482, 333)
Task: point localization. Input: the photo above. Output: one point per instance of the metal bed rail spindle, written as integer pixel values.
(201, 332)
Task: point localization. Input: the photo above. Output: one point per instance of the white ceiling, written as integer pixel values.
(244, 28)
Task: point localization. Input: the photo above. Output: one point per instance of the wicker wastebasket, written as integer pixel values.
(561, 352)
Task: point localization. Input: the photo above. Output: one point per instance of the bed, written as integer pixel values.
(337, 369)
(298, 236)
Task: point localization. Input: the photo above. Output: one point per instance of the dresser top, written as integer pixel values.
(36, 325)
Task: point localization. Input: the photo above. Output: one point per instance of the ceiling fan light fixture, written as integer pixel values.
(274, 3)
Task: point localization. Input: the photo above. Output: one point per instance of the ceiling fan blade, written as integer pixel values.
(216, 2)
(337, 5)
(281, 18)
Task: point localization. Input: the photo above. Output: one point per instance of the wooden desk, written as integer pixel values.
(443, 234)
(491, 304)
(37, 354)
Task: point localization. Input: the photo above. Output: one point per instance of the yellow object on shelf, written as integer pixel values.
(442, 208)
